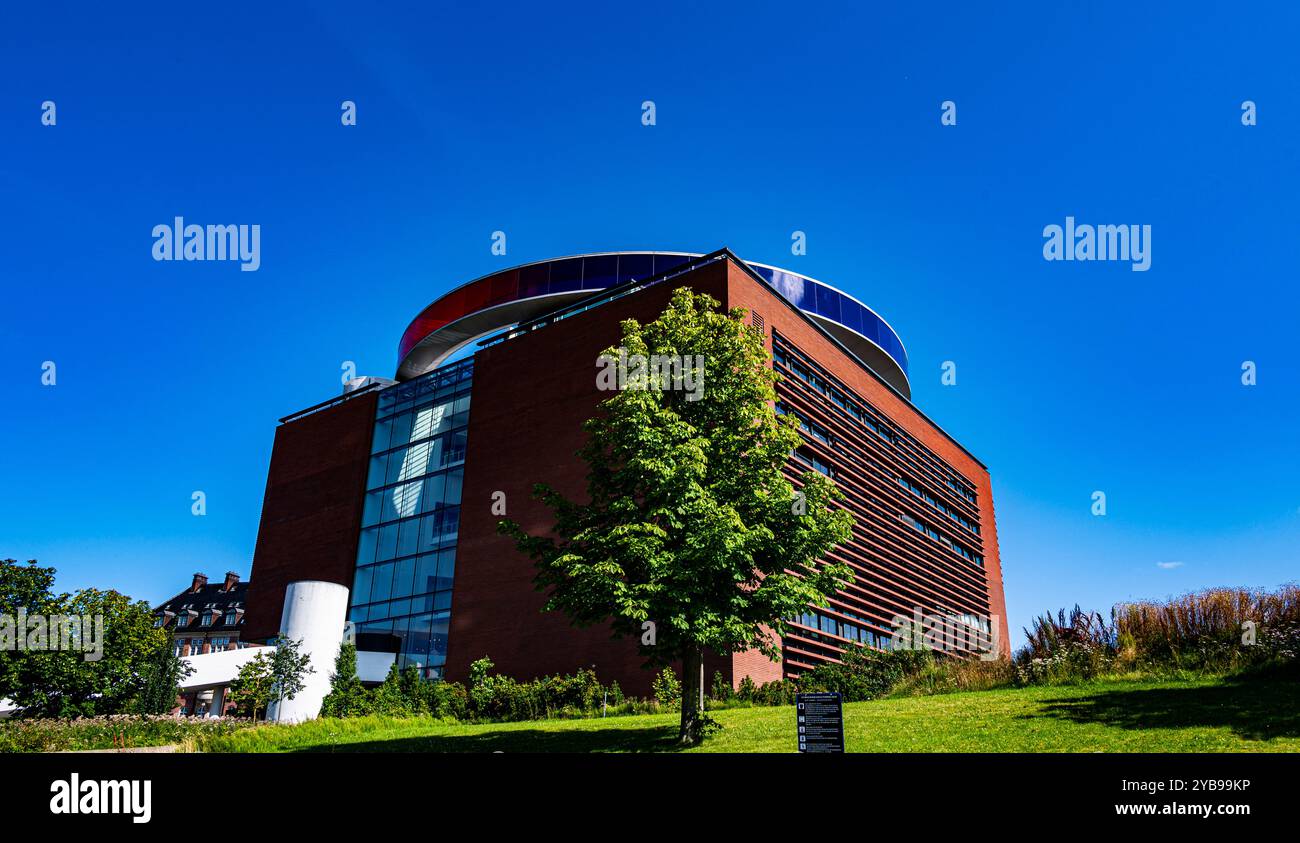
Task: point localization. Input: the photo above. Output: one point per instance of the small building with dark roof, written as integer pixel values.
(204, 618)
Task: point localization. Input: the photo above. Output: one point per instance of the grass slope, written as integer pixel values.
(1203, 715)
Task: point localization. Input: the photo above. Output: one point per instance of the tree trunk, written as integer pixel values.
(692, 727)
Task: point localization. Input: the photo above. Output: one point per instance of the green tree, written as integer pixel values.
(289, 668)
(253, 688)
(690, 523)
(72, 682)
(347, 696)
(30, 587)
(394, 696)
(162, 678)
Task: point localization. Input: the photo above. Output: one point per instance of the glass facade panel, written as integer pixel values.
(635, 267)
(533, 280)
(406, 552)
(663, 263)
(566, 276)
(599, 272)
(827, 303)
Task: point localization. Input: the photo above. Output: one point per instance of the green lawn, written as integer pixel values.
(1205, 715)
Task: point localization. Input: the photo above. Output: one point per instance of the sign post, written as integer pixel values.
(820, 722)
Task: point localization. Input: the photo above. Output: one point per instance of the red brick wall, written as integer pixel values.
(311, 514)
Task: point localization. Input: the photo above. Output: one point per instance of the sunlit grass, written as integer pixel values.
(1141, 715)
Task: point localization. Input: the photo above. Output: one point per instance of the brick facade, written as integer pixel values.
(311, 514)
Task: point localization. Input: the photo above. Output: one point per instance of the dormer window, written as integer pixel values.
(229, 620)
(182, 620)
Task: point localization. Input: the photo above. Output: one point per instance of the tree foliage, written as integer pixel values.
(347, 696)
(251, 690)
(164, 672)
(289, 668)
(65, 683)
(689, 521)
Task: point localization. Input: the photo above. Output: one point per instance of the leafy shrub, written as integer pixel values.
(865, 674)
(496, 697)
(347, 697)
(489, 696)
(776, 693)
(721, 690)
(404, 693)
(667, 690)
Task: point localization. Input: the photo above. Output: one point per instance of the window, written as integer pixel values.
(229, 619)
(159, 621)
(182, 620)
(405, 556)
(811, 460)
(810, 375)
(205, 619)
(922, 527)
(939, 505)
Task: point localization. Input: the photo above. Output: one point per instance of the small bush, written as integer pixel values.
(865, 674)
(347, 696)
(721, 690)
(667, 690)
(776, 693)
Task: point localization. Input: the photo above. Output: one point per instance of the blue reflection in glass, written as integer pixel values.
(566, 275)
(600, 272)
(663, 263)
(851, 314)
(796, 289)
(635, 267)
(827, 302)
(534, 280)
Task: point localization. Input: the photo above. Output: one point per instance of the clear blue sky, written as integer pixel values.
(1072, 377)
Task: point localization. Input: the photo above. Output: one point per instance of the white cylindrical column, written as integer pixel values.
(314, 614)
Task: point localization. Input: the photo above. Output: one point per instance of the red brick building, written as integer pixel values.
(389, 489)
(203, 619)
